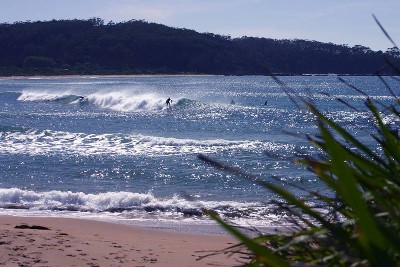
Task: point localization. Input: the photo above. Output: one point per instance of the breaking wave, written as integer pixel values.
(132, 204)
(122, 101)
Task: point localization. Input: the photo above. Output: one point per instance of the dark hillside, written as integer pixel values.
(300, 56)
(138, 47)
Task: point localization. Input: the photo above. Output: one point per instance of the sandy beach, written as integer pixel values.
(78, 242)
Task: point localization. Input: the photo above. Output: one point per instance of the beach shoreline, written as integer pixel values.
(81, 242)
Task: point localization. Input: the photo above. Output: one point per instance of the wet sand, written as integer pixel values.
(79, 242)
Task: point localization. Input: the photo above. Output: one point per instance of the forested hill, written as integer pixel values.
(138, 47)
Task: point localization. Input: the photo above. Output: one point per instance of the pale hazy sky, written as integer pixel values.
(337, 21)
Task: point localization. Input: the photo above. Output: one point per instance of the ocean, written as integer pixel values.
(120, 154)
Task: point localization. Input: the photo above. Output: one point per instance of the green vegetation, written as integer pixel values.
(61, 47)
(361, 226)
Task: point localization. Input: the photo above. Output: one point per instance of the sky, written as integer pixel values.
(337, 21)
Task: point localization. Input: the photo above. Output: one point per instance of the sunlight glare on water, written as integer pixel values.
(111, 146)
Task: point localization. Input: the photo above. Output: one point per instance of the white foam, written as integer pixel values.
(127, 101)
(77, 200)
(35, 142)
(41, 95)
(122, 100)
(128, 205)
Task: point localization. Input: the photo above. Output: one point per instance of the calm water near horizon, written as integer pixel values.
(120, 154)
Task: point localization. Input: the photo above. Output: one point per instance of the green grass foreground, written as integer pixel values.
(362, 225)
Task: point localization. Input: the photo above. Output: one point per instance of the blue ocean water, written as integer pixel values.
(119, 153)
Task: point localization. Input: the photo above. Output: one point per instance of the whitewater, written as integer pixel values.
(108, 148)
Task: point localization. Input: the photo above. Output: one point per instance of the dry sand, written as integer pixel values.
(78, 242)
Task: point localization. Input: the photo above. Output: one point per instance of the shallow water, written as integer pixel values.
(119, 153)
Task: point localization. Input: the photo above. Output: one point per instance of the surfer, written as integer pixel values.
(168, 102)
(233, 102)
(266, 102)
(81, 99)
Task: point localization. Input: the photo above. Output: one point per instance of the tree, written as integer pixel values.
(37, 62)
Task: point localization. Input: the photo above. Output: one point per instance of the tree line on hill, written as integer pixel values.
(61, 47)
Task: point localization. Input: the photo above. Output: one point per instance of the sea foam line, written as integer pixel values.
(48, 142)
(117, 100)
(132, 206)
(117, 202)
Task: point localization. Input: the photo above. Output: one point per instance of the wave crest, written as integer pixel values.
(129, 204)
(122, 101)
